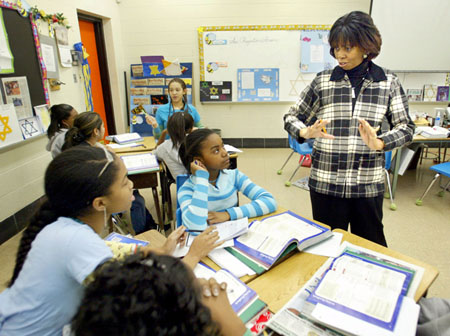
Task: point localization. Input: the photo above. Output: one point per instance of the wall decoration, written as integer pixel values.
(9, 127)
(17, 93)
(258, 84)
(30, 127)
(215, 91)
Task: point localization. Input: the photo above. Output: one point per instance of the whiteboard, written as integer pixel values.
(415, 34)
(255, 47)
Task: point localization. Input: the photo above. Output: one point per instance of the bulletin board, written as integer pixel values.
(266, 58)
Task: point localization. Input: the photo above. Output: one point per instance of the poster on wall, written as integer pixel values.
(258, 84)
(44, 116)
(62, 38)
(315, 51)
(16, 93)
(6, 56)
(49, 54)
(30, 127)
(9, 126)
(215, 91)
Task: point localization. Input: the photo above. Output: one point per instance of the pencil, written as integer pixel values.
(324, 130)
(187, 230)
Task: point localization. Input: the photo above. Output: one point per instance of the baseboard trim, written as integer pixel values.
(257, 142)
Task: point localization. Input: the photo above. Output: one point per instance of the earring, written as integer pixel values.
(104, 217)
(364, 56)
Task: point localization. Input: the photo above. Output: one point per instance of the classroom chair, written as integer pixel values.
(166, 180)
(302, 149)
(180, 181)
(387, 166)
(440, 169)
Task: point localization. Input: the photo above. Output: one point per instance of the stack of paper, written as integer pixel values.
(140, 163)
(434, 132)
(126, 138)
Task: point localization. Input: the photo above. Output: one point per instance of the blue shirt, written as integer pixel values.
(48, 290)
(197, 196)
(164, 112)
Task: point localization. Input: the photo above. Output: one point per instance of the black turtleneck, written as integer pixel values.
(356, 76)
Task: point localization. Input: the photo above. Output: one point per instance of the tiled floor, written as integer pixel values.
(421, 232)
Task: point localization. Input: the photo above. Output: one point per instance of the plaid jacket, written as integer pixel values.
(345, 167)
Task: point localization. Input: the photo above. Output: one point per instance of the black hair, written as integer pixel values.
(184, 87)
(83, 127)
(357, 29)
(192, 146)
(58, 113)
(155, 295)
(71, 184)
(178, 125)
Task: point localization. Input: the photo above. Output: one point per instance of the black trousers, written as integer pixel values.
(364, 215)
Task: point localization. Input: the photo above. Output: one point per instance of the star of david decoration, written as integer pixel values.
(6, 129)
(213, 90)
(28, 128)
(154, 70)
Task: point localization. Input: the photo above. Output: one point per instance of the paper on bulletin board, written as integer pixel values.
(62, 39)
(6, 56)
(30, 127)
(258, 84)
(16, 93)
(315, 51)
(9, 126)
(43, 115)
(48, 47)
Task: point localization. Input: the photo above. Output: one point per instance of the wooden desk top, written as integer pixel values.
(149, 144)
(277, 286)
(419, 138)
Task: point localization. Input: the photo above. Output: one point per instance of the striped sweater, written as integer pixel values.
(197, 197)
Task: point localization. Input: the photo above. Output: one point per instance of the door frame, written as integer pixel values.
(103, 66)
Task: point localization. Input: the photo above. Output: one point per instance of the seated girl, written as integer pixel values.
(178, 126)
(61, 119)
(210, 194)
(61, 246)
(156, 295)
(87, 130)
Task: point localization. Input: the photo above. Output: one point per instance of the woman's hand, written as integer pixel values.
(317, 130)
(197, 165)
(215, 217)
(216, 299)
(369, 135)
(151, 121)
(201, 246)
(176, 237)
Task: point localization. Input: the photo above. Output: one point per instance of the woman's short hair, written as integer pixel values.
(357, 29)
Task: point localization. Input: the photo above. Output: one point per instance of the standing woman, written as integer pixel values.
(87, 130)
(177, 103)
(350, 103)
(61, 119)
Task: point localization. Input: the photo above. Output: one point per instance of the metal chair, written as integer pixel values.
(440, 169)
(302, 149)
(387, 166)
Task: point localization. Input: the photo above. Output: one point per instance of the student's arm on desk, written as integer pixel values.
(262, 202)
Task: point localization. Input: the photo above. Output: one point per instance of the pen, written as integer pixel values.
(324, 130)
(187, 230)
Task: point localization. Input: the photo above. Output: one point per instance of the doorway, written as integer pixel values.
(93, 39)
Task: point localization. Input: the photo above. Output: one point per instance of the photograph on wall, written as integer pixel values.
(215, 91)
(9, 126)
(442, 93)
(258, 84)
(159, 99)
(16, 93)
(30, 127)
(414, 94)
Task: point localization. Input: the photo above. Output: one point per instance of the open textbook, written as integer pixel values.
(140, 163)
(360, 292)
(273, 237)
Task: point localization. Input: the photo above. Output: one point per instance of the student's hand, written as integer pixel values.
(197, 165)
(369, 135)
(176, 237)
(201, 246)
(318, 130)
(216, 299)
(215, 217)
(151, 121)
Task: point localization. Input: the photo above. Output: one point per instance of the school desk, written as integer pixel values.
(277, 286)
(441, 142)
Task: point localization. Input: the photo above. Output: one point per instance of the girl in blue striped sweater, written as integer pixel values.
(210, 196)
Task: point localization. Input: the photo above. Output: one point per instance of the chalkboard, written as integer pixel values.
(263, 63)
(23, 47)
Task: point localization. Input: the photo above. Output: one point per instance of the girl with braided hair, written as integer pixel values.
(61, 246)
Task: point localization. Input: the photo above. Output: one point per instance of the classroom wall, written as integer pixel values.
(170, 30)
(23, 165)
